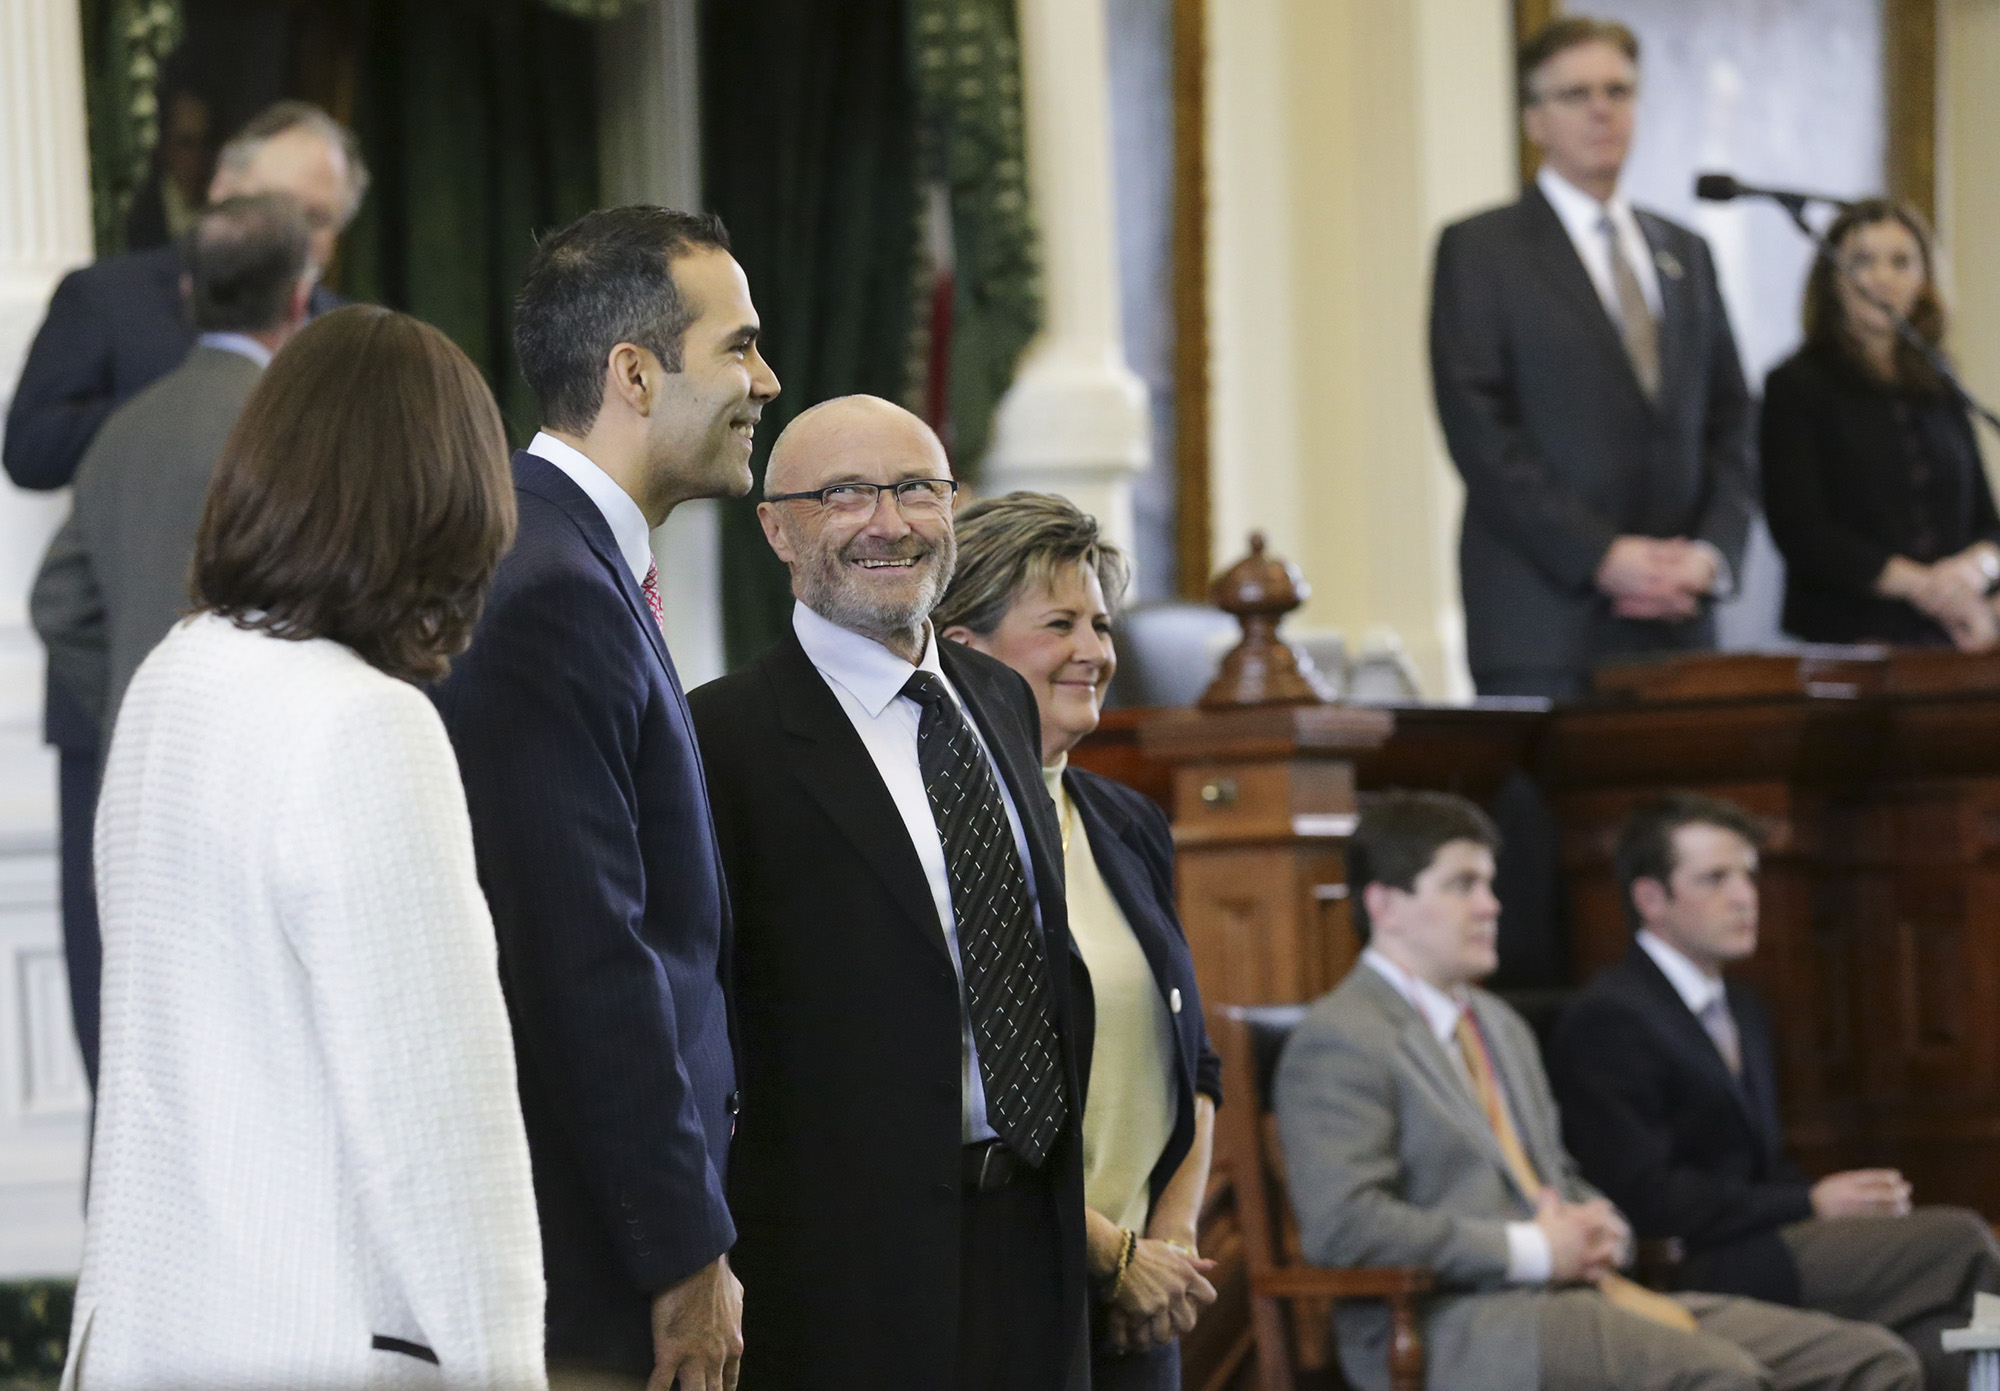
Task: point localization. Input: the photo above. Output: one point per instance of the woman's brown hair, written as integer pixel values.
(364, 495)
(1826, 321)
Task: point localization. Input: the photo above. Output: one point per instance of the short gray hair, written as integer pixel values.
(1006, 544)
(279, 117)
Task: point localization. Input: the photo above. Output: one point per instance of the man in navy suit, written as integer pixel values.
(589, 812)
(113, 329)
(1666, 1077)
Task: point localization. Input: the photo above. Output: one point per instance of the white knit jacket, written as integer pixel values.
(308, 1135)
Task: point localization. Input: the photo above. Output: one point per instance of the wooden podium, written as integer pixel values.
(1262, 801)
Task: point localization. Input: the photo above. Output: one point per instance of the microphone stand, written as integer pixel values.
(1795, 204)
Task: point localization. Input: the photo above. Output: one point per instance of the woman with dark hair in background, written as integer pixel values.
(1872, 479)
(309, 1167)
(1035, 586)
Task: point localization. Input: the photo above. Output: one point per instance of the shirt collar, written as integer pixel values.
(1440, 1011)
(1580, 213)
(242, 344)
(621, 513)
(1696, 987)
(872, 674)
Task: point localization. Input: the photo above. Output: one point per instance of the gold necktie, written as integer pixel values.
(1486, 1085)
(1635, 320)
(1623, 1293)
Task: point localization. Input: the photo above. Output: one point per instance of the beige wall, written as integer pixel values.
(1969, 191)
(1343, 135)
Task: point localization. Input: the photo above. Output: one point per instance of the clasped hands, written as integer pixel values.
(1587, 1241)
(1952, 591)
(1653, 577)
(1159, 1296)
(1862, 1193)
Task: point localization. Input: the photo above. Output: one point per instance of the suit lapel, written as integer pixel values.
(1516, 1075)
(1676, 303)
(1449, 1089)
(831, 763)
(546, 481)
(1562, 267)
(1759, 1092)
(1122, 866)
(1672, 1011)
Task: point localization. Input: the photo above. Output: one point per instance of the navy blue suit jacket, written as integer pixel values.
(1134, 851)
(1657, 1123)
(591, 821)
(113, 329)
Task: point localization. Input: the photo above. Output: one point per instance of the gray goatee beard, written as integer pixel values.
(834, 594)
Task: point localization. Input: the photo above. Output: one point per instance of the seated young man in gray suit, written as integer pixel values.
(1667, 1079)
(1419, 1130)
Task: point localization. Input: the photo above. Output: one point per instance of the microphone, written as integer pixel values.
(1723, 188)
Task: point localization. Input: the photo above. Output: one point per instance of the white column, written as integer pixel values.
(44, 231)
(1074, 421)
(649, 140)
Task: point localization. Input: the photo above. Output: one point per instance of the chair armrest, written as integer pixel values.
(1319, 1282)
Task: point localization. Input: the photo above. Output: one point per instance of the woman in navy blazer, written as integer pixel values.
(1034, 587)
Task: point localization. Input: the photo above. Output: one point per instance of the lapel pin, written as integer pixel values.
(1669, 266)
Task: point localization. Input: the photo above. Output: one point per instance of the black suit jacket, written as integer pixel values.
(596, 850)
(1854, 473)
(1559, 446)
(1655, 1120)
(1134, 851)
(845, 1176)
(113, 329)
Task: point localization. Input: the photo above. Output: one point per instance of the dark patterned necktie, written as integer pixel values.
(1006, 970)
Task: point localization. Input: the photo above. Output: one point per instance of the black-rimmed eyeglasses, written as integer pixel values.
(912, 495)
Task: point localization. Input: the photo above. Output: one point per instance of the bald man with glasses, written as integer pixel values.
(907, 1174)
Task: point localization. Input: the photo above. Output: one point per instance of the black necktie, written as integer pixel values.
(1006, 970)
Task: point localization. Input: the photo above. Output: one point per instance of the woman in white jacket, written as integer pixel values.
(309, 1167)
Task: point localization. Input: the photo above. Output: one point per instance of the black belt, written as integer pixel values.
(986, 1165)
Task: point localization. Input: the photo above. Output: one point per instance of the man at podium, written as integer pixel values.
(1589, 390)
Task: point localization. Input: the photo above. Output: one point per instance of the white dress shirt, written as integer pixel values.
(621, 513)
(1690, 982)
(1582, 217)
(1529, 1259)
(868, 679)
(242, 344)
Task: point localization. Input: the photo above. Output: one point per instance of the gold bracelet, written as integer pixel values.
(1125, 1254)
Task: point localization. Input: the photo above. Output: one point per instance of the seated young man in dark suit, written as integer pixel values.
(1666, 1078)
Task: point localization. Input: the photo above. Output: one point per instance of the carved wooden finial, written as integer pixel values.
(1262, 669)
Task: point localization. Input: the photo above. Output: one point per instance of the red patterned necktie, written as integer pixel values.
(651, 586)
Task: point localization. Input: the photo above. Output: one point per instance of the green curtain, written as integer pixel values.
(808, 125)
(125, 42)
(967, 63)
(479, 118)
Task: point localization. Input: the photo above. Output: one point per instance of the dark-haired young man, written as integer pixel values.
(590, 816)
(1419, 1130)
(114, 580)
(1664, 1070)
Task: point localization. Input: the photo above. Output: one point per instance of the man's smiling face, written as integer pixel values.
(879, 570)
